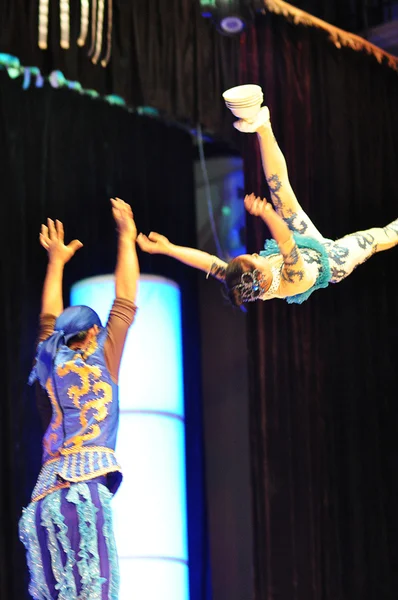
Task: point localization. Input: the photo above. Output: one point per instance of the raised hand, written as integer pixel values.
(257, 206)
(124, 218)
(52, 240)
(154, 243)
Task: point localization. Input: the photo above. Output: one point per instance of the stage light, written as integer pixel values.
(150, 518)
(230, 17)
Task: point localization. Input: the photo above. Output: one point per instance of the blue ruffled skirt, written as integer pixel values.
(70, 546)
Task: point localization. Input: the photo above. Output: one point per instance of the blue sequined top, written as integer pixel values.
(312, 251)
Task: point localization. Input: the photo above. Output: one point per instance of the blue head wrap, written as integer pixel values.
(69, 323)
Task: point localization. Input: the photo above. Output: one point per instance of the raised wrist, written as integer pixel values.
(169, 250)
(56, 262)
(287, 245)
(128, 238)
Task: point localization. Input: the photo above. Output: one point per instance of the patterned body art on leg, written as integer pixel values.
(282, 195)
(354, 249)
(275, 184)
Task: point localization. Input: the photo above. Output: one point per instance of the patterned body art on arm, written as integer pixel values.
(217, 270)
(292, 271)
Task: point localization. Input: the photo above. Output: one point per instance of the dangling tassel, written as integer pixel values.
(64, 18)
(84, 19)
(43, 24)
(97, 27)
(99, 33)
(105, 60)
(93, 26)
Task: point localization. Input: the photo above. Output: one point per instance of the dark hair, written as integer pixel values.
(233, 274)
(79, 337)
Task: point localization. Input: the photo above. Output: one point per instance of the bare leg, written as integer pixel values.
(276, 174)
(354, 249)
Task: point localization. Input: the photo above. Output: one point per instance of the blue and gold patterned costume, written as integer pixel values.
(67, 527)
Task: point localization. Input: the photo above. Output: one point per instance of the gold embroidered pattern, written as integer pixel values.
(89, 376)
(87, 449)
(99, 406)
(91, 462)
(100, 463)
(96, 473)
(76, 464)
(83, 372)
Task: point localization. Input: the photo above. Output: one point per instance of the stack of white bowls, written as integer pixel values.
(244, 101)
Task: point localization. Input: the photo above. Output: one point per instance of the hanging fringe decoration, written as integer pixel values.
(93, 26)
(338, 37)
(99, 33)
(64, 23)
(84, 20)
(97, 27)
(43, 24)
(105, 60)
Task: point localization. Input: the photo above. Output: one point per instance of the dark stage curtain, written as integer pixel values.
(164, 54)
(324, 374)
(63, 155)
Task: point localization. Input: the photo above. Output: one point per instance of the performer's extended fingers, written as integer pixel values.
(154, 237)
(116, 212)
(75, 245)
(252, 205)
(144, 243)
(43, 240)
(51, 229)
(248, 201)
(120, 209)
(116, 206)
(127, 210)
(261, 206)
(44, 231)
(125, 206)
(60, 230)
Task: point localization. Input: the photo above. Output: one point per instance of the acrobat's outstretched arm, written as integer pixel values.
(155, 243)
(52, 239)
(127, 268)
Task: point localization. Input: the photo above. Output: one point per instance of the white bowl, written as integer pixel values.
(247, 114)
(241, 93)
(257, 100)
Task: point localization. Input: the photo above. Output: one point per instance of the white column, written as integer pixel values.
(150, 506)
